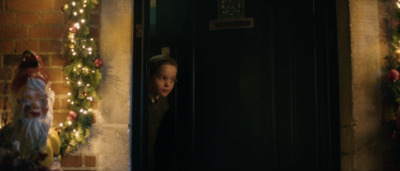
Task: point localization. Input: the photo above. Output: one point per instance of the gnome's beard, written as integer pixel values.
(32, 133)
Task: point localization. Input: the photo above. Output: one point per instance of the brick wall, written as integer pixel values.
(40, 26)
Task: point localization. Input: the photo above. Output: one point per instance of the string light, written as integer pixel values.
(61, 124)
(81, 52)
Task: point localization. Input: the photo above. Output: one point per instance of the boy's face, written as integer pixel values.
(163, 81)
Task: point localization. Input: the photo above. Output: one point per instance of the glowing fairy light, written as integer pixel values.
(73, 3)
(75, 13)
(79, 83)
(61, 124)
(90, 49)
(69, 100)
(85, 112)
(74, 53)
(81, 11)
(83, 46)
(69, 93)
(398, 4)
(77, 25)
(87, 85)
(83, 21)
(93, 71)
(79, 65)
(67, 82)
(72, 102)
(91, 39)
(69, 122)
(81, 110)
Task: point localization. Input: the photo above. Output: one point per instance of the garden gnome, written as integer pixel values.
(32, 100)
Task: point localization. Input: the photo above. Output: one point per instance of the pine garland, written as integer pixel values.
(82, 74)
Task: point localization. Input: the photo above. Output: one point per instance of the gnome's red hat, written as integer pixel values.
(30, 66)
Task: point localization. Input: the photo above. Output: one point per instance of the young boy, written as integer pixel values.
(162, 74)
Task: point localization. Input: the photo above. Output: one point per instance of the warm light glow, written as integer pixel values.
(79, 82)
(69, 93)
(73, 53)
(398, 4)
(75, 13)
(77, 25)
(69, 100)
(69, 122)
(73, 3)
(80, 10)
(61, 124)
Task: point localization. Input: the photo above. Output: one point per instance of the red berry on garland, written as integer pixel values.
(98, 62)
(393, 75)
(73, 28)
(71, 116)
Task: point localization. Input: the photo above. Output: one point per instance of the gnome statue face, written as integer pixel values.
(31, 102)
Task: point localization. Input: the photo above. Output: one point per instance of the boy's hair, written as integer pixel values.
(156, 61)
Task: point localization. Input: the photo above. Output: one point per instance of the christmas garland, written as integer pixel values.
(392, 67)
(82, 75)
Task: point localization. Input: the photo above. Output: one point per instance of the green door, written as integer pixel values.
(251, 97)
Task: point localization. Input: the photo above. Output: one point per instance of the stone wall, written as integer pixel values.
(365, 145)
